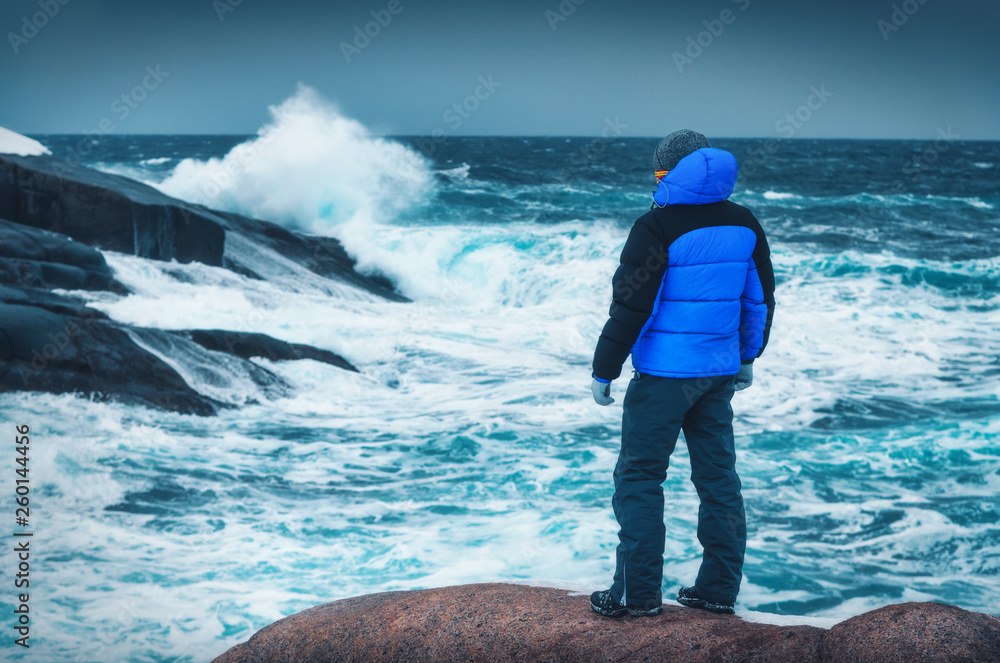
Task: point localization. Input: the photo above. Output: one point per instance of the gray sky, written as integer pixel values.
(563, 68)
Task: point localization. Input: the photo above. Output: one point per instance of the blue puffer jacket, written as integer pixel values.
(694, 293)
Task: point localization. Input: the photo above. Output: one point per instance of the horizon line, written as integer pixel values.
(568, 136)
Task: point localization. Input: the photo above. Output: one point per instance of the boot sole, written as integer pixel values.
(621, 612)
(705, 605)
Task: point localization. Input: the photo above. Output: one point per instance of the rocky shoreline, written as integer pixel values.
(55, 217)
(501, 622)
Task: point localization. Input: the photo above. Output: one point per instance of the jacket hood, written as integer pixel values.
(707, 175)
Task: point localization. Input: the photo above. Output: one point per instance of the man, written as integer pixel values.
(693, 302)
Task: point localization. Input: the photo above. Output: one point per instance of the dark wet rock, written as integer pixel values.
(42, 259)
(115, 213)
(45, 299)
(41, 350)
(323, 256)
(105, 211)
(54, 343)
(53, 214)
(500, 622)
(248, 345)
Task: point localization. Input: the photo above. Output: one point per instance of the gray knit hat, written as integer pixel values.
(675, 147)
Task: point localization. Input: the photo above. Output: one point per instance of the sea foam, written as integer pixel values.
(309, 168)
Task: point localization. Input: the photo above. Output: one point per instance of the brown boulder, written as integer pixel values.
(500, 622)
(910, 632)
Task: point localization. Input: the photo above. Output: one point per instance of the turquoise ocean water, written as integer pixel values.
(468, 448)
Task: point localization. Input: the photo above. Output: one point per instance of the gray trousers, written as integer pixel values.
(656, 410)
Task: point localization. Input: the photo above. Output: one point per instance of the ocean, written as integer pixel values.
(468, 447)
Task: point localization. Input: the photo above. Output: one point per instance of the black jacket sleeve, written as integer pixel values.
(765, 272)
(635, 286)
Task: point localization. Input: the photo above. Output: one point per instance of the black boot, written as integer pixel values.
(692, 598)
(603, 603)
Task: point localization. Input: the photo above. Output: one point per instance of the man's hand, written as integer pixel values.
(744, 378)
(602, 392)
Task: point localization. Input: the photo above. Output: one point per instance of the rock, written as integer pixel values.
(500, 622)
(115, 213)
(52, 214)
(54, 343)
(49, 301)
(910, 632)
(251, 239)
(105, 211)
(81, 352)
(42, 259)
(247, 345)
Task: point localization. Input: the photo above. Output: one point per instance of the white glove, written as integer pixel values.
(744, 378)
(602, 392)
